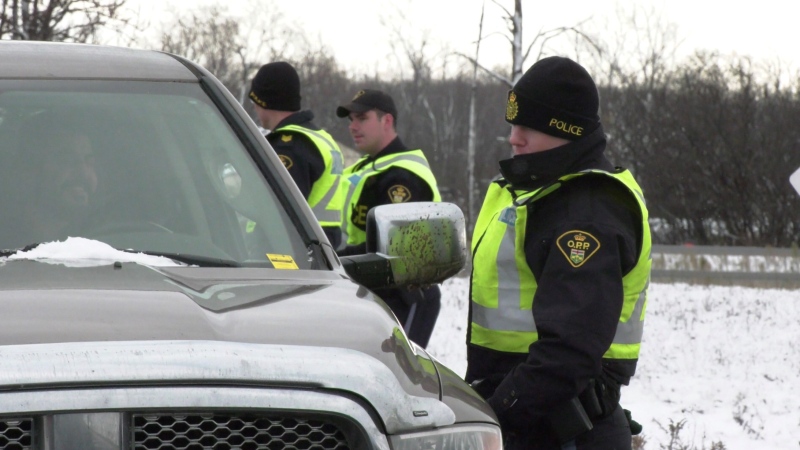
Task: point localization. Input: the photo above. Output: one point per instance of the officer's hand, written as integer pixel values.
(410, 297)
(635, 426)
(486, 386)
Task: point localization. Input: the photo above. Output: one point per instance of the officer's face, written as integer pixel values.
(261, 113)
(369, 131)
(526, 140)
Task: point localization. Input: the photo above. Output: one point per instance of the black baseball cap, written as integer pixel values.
(367, 99)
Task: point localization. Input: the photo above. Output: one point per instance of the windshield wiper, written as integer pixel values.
(8, 252)
(197, 260)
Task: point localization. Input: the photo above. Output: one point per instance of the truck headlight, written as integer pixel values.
(473, 436)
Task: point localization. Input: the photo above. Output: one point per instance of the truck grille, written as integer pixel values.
(16, 434)
(229, 432)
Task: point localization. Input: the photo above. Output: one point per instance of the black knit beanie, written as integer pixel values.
(276, 86)
(556, 96)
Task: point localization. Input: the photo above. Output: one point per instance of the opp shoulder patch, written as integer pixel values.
(399, 194)
(577, 246)
(286, 137)
(287, 162)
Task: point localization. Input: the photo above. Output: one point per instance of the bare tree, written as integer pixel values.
(472, 211)
(231, 47)
(633, 66)
(638, 47)
(520, 52)
(431, 109)
(712, 147)
(58, 20)
(210, 38)
(414, 52)
(324, 86)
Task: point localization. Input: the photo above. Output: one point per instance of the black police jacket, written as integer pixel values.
(576, 313)
(302, 159)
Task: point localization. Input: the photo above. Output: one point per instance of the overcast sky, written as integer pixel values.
(352, 29)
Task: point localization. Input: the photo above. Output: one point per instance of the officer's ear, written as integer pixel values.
(387, 119)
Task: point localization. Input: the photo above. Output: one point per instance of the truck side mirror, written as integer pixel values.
(416, 243)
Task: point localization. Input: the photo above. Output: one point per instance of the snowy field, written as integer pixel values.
(720, 362)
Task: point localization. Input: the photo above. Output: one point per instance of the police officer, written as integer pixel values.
(311, 155)
(560, 272)
(389, 172)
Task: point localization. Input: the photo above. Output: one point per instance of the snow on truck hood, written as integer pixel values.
(82, 252)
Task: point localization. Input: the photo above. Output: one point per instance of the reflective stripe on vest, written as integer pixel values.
(327, 193)
(503, 286)
(411, 160)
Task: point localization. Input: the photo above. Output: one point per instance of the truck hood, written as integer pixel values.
(130, 323)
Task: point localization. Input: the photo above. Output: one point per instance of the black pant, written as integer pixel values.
(417, 310)
(610, 433)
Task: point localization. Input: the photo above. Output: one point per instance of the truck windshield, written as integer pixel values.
(142, 166)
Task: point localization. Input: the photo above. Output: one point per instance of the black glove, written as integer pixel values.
(486, 386)
(635, 426)
(411, 296)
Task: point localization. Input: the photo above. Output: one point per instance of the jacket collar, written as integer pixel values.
(302, 118)
(534, 170)
(396, 146)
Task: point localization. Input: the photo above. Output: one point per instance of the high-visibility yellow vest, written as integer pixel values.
(503, 285)
(327, 193)
(411, 160)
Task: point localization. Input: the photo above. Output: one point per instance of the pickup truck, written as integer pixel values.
(164, 285)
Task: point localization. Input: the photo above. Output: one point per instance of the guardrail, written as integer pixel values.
(765, 267)
(744, 266)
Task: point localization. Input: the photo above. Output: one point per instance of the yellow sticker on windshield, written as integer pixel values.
(282, 261)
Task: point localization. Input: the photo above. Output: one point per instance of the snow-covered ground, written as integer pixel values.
(722, 363)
